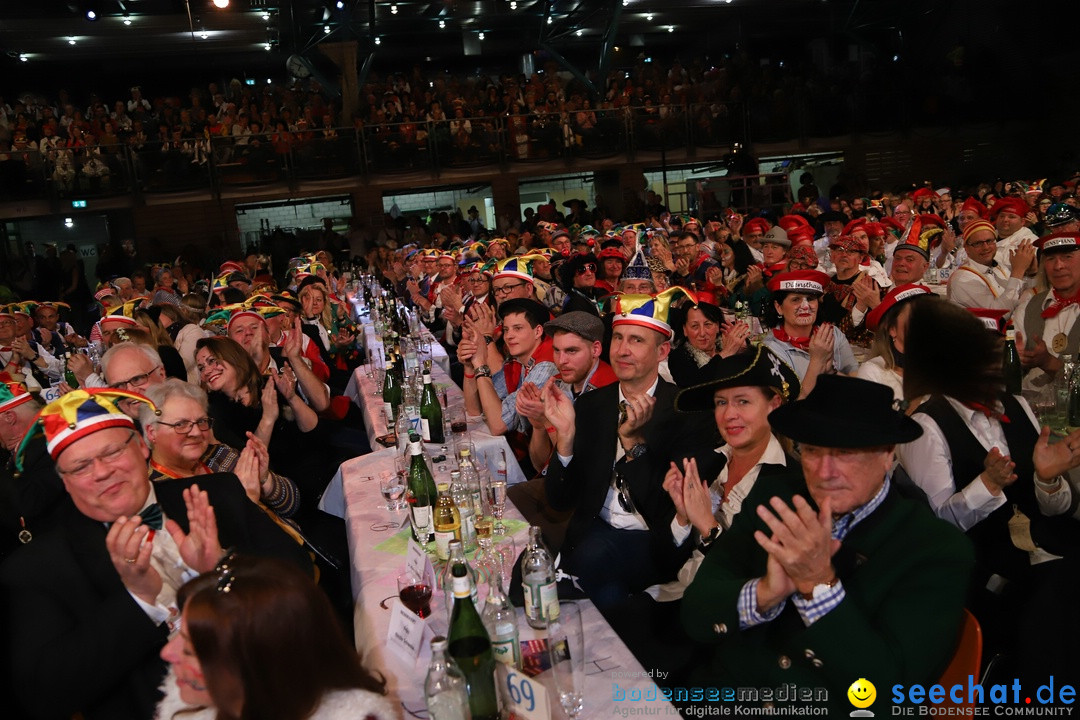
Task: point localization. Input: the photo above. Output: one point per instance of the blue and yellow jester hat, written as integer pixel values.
(77, 414)
(124, 313)
(12, 393)
(516, 266)
(650, 311)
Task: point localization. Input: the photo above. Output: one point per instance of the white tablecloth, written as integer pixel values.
(374, 581)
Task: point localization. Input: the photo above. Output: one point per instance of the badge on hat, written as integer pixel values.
(992, 319)
(800, 281)
(649, 311)
(77, 414)
(894, 297)
(1060, 242)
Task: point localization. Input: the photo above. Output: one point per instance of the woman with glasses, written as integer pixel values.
(182, 445)
(258, 639)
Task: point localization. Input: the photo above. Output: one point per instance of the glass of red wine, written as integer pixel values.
(415, 593)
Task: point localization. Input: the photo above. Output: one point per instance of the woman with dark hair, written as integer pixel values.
(241, 400)
(797, 338)
(985, 466)
(745, 288)
(577, 276)
(698, 339)
(258, 639)
(180, 322)
(170, 358)
(889, 323)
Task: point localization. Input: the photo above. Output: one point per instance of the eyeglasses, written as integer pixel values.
(982, 243)
(108, 456)
(586, 268)
(138, 381)
(183, 427)
(507, 289)
(686, 246)
(624, 494)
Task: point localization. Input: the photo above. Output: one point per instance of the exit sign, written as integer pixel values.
(78, 203)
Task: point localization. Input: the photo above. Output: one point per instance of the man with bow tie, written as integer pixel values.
(1046, 324)
(91, 603)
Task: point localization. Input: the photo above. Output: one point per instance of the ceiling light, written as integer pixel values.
(266, 46)
(671, 28)
(326, 29)
(23, 57)
(265, 14)
(340, 5)
(268, 81)
(442, 24)
(378, 41)
(127, 19)
(203, 34)
(513, 4)
(91, 15)
(649, 17)
(627, 2)
(550, 20)
(68, 222)
(71, 41)
(578, 33)
(481, 35)
(393, 9)
(221, 4)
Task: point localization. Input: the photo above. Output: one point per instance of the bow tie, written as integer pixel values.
(152, 516)
(1060, 304)
(990, 413)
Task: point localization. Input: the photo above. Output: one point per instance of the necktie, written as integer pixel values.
(152, 516)
(990, 413)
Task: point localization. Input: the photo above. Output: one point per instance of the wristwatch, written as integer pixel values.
(820, 589)
(483, 371)
(637, 451)
(488, 339)
(706, 540)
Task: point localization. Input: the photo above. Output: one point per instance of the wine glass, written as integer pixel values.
(506, 550)
(380, 377)
(566, 647)
(498, 502)
(392, 487)
(415, 593)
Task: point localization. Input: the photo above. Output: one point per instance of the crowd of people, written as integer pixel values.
(864, 476)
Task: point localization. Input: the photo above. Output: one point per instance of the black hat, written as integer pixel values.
(311, 280)
(845, 412)
(1060, 214)
(760, 368)
(832, 216)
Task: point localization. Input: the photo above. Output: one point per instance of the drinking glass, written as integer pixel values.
(566, 646)
(497, 498)
(415, 593)
(506, 550)
(392, 487)
(380, 377)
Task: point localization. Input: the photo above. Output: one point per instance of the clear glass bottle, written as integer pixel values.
(500, 619)
(470, 476)
(444, 687)
(464, 505)
(538, 581)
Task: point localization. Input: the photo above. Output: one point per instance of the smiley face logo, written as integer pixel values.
(862, 693)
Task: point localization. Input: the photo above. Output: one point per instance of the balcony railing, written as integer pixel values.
(219, 164)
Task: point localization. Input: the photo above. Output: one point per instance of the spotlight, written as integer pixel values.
(378, 41)
(266, 46)
(896, 58)
(221, 4)
(671, 28)
(71, 41)
(69, 223)
(326, 29)
(340, 5)
(91, 15)
(127, 19)
(481, 35)
(393, 9)
(268, 81)
(578, 33)
(203, 34)
(265, 14)
(649, 17)
(513, 4)
(442, 24)
(627, 2)
(23, 57)
(550, 20)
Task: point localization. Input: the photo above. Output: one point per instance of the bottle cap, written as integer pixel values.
(438, 643)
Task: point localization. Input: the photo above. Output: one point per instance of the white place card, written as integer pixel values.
(522, 696)
(406, 634)
(419, 562)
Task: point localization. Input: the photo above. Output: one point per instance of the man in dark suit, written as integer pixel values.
(90, 604)
(833, 576)
(613, 448)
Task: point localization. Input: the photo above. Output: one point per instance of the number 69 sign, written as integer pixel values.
(523, 696)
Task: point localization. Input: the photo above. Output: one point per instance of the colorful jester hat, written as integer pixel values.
(12, 393)
(649, 311)
(124, 313)
(516, 266)
(77, 414)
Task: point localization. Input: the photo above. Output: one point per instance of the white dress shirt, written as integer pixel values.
(974, 285)
(1006, 245)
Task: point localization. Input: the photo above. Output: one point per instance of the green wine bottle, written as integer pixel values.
(470, 646)
(69, 374)
(391, 394)
(431, 418)
(422, 492)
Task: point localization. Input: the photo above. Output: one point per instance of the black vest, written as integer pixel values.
(994, 550)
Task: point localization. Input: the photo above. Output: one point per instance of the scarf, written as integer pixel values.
(802, 343)
(1060, 304)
